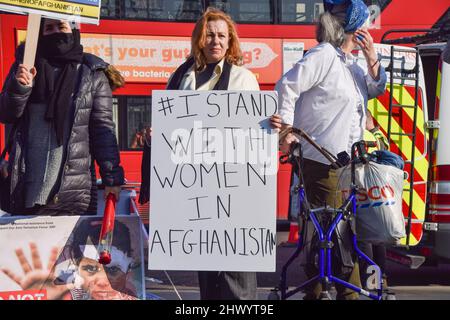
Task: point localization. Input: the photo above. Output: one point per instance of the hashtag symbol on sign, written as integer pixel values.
(165, 103)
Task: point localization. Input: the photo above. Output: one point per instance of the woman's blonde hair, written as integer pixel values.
(198, 40)
(115, 79)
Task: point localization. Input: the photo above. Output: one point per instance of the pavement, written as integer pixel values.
(425, 283)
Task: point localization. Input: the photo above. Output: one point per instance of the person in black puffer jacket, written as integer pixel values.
(61, 111)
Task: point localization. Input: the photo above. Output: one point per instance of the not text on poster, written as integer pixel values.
(213, 181)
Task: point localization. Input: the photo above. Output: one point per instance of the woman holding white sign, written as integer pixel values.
(215, 64)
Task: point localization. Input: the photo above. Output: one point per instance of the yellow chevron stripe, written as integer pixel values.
(418, 204)
(412, 240)
(403, 97)
(438, 85)
(404, 143)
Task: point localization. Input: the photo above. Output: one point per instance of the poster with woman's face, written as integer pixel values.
(56, 258)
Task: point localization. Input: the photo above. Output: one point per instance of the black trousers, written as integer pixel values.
(376, 252)
(225, 285)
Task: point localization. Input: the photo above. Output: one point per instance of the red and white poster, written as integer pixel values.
(154, 58)
(56, 258)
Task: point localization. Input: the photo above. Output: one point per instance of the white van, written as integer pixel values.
(414, 113)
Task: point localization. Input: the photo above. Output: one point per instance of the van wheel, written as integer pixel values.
(273, 295)
(389, 295)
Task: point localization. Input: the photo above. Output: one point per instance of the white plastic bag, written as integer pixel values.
(379, 217)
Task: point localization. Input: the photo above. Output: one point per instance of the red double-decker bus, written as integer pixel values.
(147, 39)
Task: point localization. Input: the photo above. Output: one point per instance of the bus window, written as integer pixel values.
(246, 11)
(138, 120)
(300, 11)
(115, 102)
(242, 11)
(153, 10)
(308, 11)
(189, 10)
(110, 9)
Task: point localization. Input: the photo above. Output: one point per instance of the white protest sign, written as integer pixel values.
(213, 181)
(83, 11)
(86, 11)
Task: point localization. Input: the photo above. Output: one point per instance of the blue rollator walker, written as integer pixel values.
(346, 212)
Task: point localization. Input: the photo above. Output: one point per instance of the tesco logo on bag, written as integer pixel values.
(375, 196)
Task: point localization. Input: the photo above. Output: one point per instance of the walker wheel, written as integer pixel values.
(325, 295)
(389, 296)
(273, 295)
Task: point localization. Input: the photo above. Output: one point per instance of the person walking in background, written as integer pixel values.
(141, 137)
(144, 191)
(61, 111)
(326, 95)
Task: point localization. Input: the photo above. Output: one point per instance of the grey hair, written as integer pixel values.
(330, 29)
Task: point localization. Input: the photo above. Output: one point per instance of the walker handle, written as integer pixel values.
(106, 233)
(371, 144)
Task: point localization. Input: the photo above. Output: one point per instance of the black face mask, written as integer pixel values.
(57, 44)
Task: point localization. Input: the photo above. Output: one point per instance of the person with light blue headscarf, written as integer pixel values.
(326, 94)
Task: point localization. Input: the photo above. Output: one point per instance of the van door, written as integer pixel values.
(440, 187)
(403, 118)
